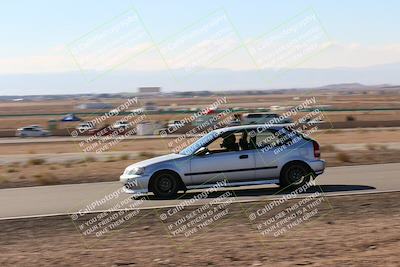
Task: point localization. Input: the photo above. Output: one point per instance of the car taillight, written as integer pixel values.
(317, 152)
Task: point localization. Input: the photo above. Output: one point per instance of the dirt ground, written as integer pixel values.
(359, 230)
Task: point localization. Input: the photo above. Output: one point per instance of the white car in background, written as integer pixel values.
(85, 126)
(313, 121)
(121, 125)
(32, 131)
(175, 124)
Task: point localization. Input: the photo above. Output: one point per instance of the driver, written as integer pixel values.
(229, 143)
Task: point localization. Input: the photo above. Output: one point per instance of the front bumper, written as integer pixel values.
(135, 184)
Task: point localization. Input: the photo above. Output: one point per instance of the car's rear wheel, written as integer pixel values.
(165, 185)
(295, 175)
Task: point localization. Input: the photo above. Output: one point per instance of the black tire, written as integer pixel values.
(295, 175)
(165, 185)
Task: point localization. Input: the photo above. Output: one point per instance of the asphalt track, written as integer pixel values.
(68, 199)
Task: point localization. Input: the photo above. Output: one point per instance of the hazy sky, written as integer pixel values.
(41, 37)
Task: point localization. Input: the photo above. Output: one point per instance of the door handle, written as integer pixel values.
(243, 156)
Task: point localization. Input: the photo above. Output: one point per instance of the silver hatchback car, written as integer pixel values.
(240, 155)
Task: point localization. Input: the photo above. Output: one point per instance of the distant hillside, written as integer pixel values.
(206, 79)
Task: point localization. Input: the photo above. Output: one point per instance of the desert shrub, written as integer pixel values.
(36, 161)
(371, 146)
(46, 178)
(52, 168)
(11, 170)
(90, 159)
(68, 164)
(343, 157)
(145, 154)
(124, 157)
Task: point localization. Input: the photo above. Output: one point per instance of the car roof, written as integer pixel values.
(252, 126)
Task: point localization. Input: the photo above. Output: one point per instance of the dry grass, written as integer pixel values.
(3, 179)
(328, 148)
(332, 136)
(90, 159)
(332, 131)
(15, 164)
(374, 147)
(111, 159)
(362, 131)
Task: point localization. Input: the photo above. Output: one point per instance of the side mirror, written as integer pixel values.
(202, 151)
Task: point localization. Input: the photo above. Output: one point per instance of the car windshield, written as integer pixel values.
(203, 141)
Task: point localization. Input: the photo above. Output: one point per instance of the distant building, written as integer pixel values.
(149, 90)
(95, 106)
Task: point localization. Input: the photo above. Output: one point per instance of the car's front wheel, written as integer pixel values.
(165, 185)
(295, 175)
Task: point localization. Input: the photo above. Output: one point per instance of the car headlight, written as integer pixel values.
(135, 171)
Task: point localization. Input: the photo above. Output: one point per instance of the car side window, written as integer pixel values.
(268, 137)
(237, 141)
(225, 143)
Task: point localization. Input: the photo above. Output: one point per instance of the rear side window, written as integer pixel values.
(265, 138)
(269, 138)
(297, 133)
(254, 116)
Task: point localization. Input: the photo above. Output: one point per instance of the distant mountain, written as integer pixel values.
(207, 79)
(353, 86)
(343, 86)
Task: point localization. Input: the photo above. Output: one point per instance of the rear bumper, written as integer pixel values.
(318, 166)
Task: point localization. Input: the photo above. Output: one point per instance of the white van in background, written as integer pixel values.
(263, 117)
